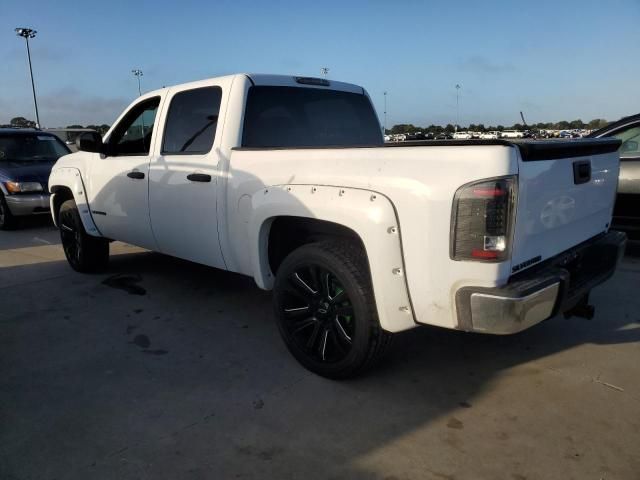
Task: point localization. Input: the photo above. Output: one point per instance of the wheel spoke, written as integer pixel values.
(336, 343)
(301, 285)
(314, 335)
(324, 284)
(296, 312)
(323, 344)
(339, 297)
(304, 324)
(340, 331)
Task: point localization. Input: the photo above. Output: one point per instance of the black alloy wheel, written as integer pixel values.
(84, 252)
(325, 309)
(318, 313)
(70, 235)
(7, 220)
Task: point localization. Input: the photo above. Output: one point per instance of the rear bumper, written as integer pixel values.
(28, 203)
(554, 286)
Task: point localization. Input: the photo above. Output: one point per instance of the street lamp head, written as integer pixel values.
(137, 72)
(25, 32)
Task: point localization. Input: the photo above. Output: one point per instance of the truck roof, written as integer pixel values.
(265, 79)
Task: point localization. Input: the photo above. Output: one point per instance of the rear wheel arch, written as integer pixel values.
(284, 234)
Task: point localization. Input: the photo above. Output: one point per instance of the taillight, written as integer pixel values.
(482, 220)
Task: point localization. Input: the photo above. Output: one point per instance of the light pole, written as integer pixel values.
(28, 33)
(324, 71)
(385, 112)
(458, 87)
(138, 73)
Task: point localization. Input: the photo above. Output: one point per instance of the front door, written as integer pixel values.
(183, 179)
(118, 181)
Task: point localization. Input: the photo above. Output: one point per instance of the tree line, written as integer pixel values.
(449, 128)
(21, 122)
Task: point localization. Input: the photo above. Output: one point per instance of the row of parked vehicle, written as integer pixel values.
(461, 135)
(489, 135)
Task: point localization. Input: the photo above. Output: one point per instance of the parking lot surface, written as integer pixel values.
(165, 369)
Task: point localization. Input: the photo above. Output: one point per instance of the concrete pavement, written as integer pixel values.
(173, 370)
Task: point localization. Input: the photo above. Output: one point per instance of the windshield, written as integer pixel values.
(31, 148)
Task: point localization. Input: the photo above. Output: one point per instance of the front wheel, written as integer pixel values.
(325, 309)
(7, 220)
(84, 253)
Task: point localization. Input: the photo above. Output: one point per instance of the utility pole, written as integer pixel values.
(138, 73)
(385, 112)
(458, 87)
(324, 71)
(28, 33)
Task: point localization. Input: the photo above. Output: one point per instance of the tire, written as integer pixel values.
(325, 309)
(84, 253)
(7, 219)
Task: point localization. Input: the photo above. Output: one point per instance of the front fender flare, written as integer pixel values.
(369, 214)
(70, 178)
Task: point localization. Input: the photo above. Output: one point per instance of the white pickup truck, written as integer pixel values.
(287, 179)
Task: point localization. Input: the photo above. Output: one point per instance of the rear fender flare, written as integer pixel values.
(369, 214)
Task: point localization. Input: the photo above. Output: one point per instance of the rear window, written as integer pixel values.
(308, 117)
(31, 147)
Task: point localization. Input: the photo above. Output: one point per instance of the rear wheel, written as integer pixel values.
(84, 252)
(325, 309)
(7, 220)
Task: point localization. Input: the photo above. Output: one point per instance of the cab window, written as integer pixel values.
(191, 121)
(132, 136)
(630, 140)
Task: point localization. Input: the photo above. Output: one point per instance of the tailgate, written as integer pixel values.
(566, 195)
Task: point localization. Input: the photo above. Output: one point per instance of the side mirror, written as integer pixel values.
(89, 142)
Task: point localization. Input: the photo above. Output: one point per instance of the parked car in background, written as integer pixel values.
(68, 135)
(626, 213)
(444, 136)
(26, 158)
(489, 135)
(512, 134)
(462, 136)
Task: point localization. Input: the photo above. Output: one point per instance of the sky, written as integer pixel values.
(553, 60)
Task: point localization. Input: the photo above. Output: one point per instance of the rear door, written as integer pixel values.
(184, 177)
(566, 196)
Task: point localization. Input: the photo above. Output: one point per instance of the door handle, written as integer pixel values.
(199, 177)
(581, 172)
(135, 174)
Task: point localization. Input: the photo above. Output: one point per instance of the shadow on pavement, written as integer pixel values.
(190, 378)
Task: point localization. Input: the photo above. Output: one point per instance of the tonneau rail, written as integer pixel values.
(530, 150)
